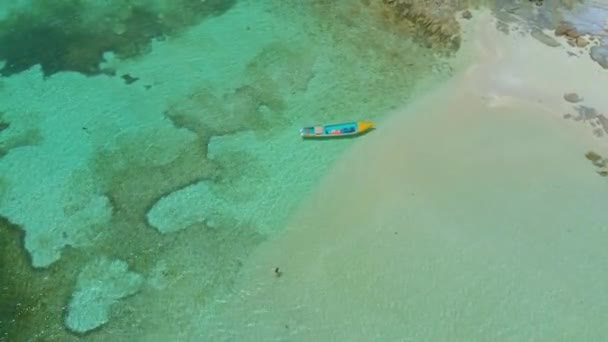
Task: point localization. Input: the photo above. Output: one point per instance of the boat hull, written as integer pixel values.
(345, 129)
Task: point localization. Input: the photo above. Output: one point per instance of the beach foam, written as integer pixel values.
(471, 214)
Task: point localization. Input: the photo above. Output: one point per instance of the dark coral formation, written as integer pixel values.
(591, 116)
(599, 162)
(27, 296)
(433, 24)
(65, 36)
(134, 180)
(248, 107)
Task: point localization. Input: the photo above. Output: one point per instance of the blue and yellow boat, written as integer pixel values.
(336, 130)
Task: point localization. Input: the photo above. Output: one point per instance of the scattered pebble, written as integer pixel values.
(581, 42)
(567, 29)
(129, 79)
(592, 156)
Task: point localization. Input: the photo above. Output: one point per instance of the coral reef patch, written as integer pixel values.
(100, 285)
(433, 24)
(599, 162)
(74, 35)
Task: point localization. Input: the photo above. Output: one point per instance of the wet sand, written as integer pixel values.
(472, 214)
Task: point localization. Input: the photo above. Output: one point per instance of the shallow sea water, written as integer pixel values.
(170, 148)
(152, 178)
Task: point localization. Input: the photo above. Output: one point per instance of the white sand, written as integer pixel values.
(470, 215)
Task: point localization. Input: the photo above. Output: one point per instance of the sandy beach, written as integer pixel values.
(471, 214)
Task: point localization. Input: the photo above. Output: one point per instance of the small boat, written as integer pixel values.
(336, 130)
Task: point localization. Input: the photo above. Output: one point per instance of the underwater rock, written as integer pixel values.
(100, 285)
(129, 79)
(567, 29)
(436, 24)
(599, 54)
(592, 156)
(572, 97)
(467, 14)
(581, 42)
(586, 113)
(599, 162)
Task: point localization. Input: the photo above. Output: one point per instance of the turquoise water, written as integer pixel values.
(152, 145)
(149, 148)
